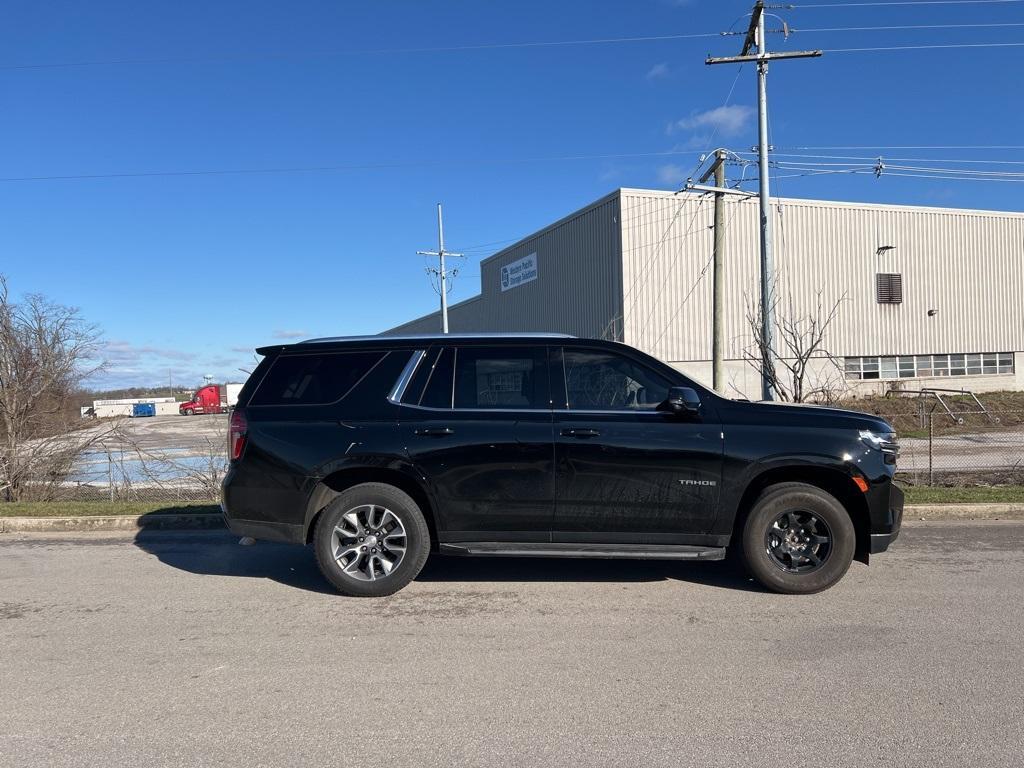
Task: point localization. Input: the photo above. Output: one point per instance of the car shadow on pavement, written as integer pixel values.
(723, 574)
(218, 553)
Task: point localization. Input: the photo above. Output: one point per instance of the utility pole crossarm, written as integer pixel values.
(762, 57)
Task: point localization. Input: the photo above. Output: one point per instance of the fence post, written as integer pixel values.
(110, 475)
(931, 435)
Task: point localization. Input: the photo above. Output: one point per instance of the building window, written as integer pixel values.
(889, 288)
(927, 366)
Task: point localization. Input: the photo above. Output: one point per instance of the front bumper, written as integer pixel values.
(886, 518)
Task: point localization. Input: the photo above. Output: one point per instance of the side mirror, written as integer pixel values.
(681, 400)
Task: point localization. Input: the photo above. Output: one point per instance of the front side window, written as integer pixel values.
(603, 381)
(501, 378)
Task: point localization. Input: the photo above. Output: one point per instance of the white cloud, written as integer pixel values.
(657, 71)
(671, 175)
(290, 334)
(727, 121)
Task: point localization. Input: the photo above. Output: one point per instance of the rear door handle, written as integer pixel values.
(580, 433)
(435, 432)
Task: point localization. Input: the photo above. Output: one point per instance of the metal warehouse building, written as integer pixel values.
(927, 296)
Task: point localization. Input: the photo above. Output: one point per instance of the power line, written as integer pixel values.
(365, 52)
(351, 167)
(923, 47)
(898, 159)
(910, 146)
(905, 27)
(801, 6)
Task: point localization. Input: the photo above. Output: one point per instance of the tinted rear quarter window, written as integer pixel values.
(438, 390)
(313, 379)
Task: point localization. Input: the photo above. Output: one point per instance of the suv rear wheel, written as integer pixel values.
(371, 540)
(798, 539)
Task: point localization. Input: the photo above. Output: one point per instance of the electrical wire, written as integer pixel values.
(942, 46)
(348, 167)
(366, 52)
(802, 6)
(898, 159)
(914, 146)
(905, 27)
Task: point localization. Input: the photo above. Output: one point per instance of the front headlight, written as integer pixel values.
(882, 441)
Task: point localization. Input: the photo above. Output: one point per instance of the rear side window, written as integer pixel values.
(314, 379)
(501, 377)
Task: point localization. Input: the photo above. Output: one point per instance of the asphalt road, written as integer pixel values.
(187, 649)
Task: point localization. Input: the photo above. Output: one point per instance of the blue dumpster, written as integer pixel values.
(143, 409)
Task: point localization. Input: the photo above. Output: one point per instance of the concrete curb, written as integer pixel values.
(209, 521)
(1012, 511)
(200, 521)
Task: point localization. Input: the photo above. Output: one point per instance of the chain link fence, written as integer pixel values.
(161, 459)
(960, 448)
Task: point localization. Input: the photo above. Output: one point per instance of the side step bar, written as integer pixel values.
(555, 549)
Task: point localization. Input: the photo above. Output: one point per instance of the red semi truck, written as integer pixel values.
(213, 398)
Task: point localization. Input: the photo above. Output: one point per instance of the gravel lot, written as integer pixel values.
(187, 649)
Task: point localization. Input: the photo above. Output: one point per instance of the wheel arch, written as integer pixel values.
(833, 481)
(341, 480)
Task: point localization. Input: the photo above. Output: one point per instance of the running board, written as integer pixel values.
(552, 549)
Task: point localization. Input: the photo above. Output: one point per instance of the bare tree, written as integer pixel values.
(46, 351)
(799, 365)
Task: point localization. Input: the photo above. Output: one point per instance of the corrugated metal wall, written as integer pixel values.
(638, 261)
(577, 290)
(968, 265)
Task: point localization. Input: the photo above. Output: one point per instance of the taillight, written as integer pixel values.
(238, 427)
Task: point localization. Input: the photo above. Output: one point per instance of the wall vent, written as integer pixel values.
(889, 288)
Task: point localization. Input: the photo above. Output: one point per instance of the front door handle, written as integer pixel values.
(580, 433)
(435, 432)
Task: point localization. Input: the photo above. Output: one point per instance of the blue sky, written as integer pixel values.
(186, 273)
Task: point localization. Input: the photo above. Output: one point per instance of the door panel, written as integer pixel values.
(641, 474)
(492, 475)
(626, 471)
(481, 436)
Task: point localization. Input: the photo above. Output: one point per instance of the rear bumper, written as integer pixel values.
(234, 500)
(886, 518)
(264, 531)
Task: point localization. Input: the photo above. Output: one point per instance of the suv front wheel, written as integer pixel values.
(371, 540)
(798, 539)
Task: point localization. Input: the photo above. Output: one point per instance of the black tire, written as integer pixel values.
(794, 571)
(382, 497)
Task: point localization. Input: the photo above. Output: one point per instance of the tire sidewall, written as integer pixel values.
(416, 531)
(805, 498)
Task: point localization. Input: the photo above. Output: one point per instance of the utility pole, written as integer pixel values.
(440, 270)
(756, 34)
(718, 169)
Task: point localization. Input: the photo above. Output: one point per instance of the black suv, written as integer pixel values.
(378, 450)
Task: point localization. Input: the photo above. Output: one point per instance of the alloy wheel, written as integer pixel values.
(798, 541)
(369, 542)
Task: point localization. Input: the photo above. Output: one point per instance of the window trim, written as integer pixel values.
(398, 391)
